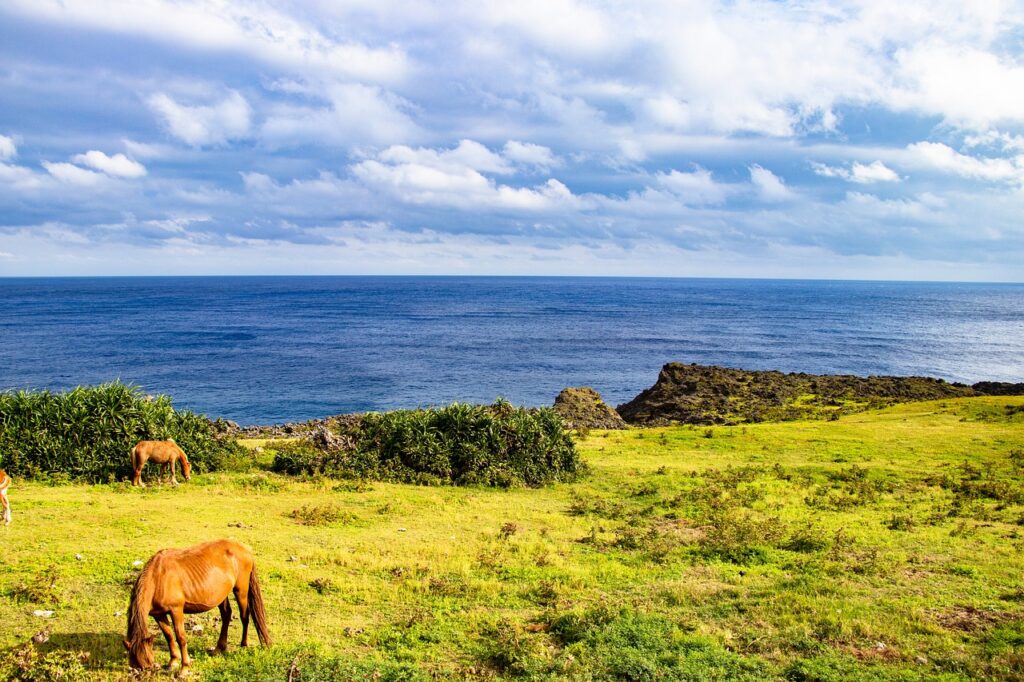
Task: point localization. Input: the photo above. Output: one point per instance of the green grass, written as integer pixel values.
(885, 545)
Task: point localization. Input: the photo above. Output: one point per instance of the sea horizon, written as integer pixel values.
(514, 276)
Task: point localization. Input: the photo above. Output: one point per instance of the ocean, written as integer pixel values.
(273, 349)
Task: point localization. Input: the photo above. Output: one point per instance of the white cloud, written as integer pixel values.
(8, 150)
(861, 173)
(203, 125)
(530, 154)
(941, 157)
(117, 165)
(19, 178)
(921, 208)
(769, 187)
(468, 154)
(146, 150)
(73, 175)
(357, 115)
(996, 139)
(563, 27)
(968, 86)
(454, 177)
(695, 188)
(256, 30)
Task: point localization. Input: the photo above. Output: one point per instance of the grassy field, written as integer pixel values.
(885, 545)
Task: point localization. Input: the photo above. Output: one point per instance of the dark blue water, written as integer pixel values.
(270, 349)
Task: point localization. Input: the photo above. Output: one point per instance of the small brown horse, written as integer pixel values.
(179, 581)
(5, 483)
(163, 452)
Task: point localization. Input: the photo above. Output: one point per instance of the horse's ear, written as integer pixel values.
(127, 644)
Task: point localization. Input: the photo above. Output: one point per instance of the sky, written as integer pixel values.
(725, 138)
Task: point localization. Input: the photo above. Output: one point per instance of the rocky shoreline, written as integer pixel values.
(704, 395)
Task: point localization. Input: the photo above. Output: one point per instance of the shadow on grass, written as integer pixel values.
(105, 649)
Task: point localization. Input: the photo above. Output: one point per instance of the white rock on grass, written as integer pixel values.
(42, 614)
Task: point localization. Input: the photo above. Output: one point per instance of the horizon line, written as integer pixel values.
(515, 276)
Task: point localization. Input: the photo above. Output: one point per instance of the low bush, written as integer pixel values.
(496, 445)
(87, 433)
(302, 457)
(325, 515)
(510, 650)
(741, 537)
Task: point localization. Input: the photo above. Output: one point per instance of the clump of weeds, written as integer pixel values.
(322, 515)
(43, 588)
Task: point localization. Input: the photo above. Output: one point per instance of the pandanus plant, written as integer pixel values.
(87, 432)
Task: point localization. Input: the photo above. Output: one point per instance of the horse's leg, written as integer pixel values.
(174, 481)
(137, 474)
(225, 620)
(7, 507)
(242, 597)
(164, 622)
(178, 616)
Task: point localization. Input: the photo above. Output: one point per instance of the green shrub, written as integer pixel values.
(87, 433)
(511, 650)
(900, 522)
(741, 537)
(302, 457)
(497, 445)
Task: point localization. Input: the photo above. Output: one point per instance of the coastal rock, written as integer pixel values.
(998, 388)
(225, 427)
(324, 439)
(341, 423)
(708, 394)
(583, 407)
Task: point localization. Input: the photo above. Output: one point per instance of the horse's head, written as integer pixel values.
(186, 469)
(140, 654)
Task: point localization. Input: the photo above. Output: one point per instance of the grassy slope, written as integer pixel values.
(426, 576)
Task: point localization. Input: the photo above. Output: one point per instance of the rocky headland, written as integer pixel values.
(708, 394)
(702, 394)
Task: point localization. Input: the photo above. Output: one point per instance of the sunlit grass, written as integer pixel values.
(760, 552)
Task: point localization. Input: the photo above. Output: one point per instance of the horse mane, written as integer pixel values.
(138, 613)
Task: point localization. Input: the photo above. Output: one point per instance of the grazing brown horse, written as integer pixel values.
(163, 452)
(5, 483)
(179, 581)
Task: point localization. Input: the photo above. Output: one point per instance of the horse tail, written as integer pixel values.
(140, 605)
(259, 614)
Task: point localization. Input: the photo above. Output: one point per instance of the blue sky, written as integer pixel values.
(867, 139)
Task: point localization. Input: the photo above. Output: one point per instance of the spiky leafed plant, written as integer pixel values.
(86, 433)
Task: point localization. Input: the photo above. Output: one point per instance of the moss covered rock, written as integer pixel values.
(708, 394)
(583, 407)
